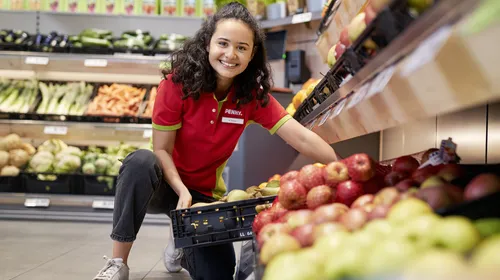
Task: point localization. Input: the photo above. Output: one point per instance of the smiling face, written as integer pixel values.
(231, 49)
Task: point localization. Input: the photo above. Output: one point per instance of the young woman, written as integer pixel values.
(219, 83)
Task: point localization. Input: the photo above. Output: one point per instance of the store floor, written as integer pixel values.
(61, 251)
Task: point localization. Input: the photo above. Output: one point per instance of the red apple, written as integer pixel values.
(304, 234)
(335, 172)
(361, 167)
(329, 213)
(379, 212)
(278, 211)
(387, 196)
(451, 171)
(298, 218)
(289, 176)
(292, 195)
(363, 200)
(426, 155)
(406, 184)
(368, 207)
(378, 5)
(455, 193)
(348, 192)
(262, 219)
(339, 50)
(436, 197)
(311, 176)
(405, 165)
(482, 185)
(354, 219)
(394, 177)
(374, 185)
(344, 38)
(269, 230)
(411, 192)
(370, 14)
(320, 195)
(327, 228)
(420, 175)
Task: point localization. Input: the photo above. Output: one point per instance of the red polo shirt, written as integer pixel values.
(208, 131)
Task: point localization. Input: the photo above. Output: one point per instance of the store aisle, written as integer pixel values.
(60, 251)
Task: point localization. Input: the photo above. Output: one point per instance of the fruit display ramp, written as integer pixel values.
(216, 223)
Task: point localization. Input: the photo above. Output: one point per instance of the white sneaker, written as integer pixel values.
(172, 257)
(114, 269)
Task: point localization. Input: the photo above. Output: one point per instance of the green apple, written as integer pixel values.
(348, 261)
(488, 226)
(419, 229)
(379, 228)
(456, 233)
(486, 258)
(277, 244)
(290, 266)
(437, 264)
(408, 209)
(433, 181)
(365, 239)
(331, 242)
(389, 256)
(420, 5)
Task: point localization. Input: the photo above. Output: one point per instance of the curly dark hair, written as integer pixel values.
(190, 65)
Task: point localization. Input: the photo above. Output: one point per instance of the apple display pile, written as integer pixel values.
(410, 243)
(349, 208)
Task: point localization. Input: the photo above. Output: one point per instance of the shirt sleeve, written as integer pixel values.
(271, 117)
(167, 112)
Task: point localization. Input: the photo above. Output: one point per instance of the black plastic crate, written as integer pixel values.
(92, 185)
(91, 50)
(216, 223)
(62, 185)
(11, 184)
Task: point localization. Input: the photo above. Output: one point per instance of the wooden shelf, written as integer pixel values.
(445, 72)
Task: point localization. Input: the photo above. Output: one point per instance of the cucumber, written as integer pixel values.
(94, 42)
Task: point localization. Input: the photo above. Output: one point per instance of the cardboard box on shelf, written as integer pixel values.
(111, 6)
(257, 8)
(169, 7)
(208, 8)
(90, 6)
(148, 7)
(129, 7)
(190, 8)
(295, 6)
(32, 5)
(54, 5)
(14, 5)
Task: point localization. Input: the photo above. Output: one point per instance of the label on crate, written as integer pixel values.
(103, 204)
(358, 96)
(303, 17)
(55, 130)
(95, 62)
(338, 109)
(380, 82)
(147, 133)
(37, 202)
(325, 117)
(246, 233)
(426, 51)
(36, 60)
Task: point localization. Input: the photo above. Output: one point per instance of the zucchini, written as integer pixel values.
(94, 42)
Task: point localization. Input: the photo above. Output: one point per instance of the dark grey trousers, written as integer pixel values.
(141, 189)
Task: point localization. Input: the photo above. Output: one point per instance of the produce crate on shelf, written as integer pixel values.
(96, 113)
(91, 50)
(215, 224)
(99, 185)
(388, 25)
(11, 184)
(63, 183)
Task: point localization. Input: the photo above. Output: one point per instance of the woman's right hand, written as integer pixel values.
(185, 200)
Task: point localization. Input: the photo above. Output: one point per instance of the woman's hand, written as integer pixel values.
(185, 200)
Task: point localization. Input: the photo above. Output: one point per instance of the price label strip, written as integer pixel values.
(55, 130)
(95, 62)
(37, 202)
(358, 96)
(381, 81)
(299, 18)
(36, 60)
(147, 133)
(426, 51)
(325, 117)
(103, 204)
(338, 109)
